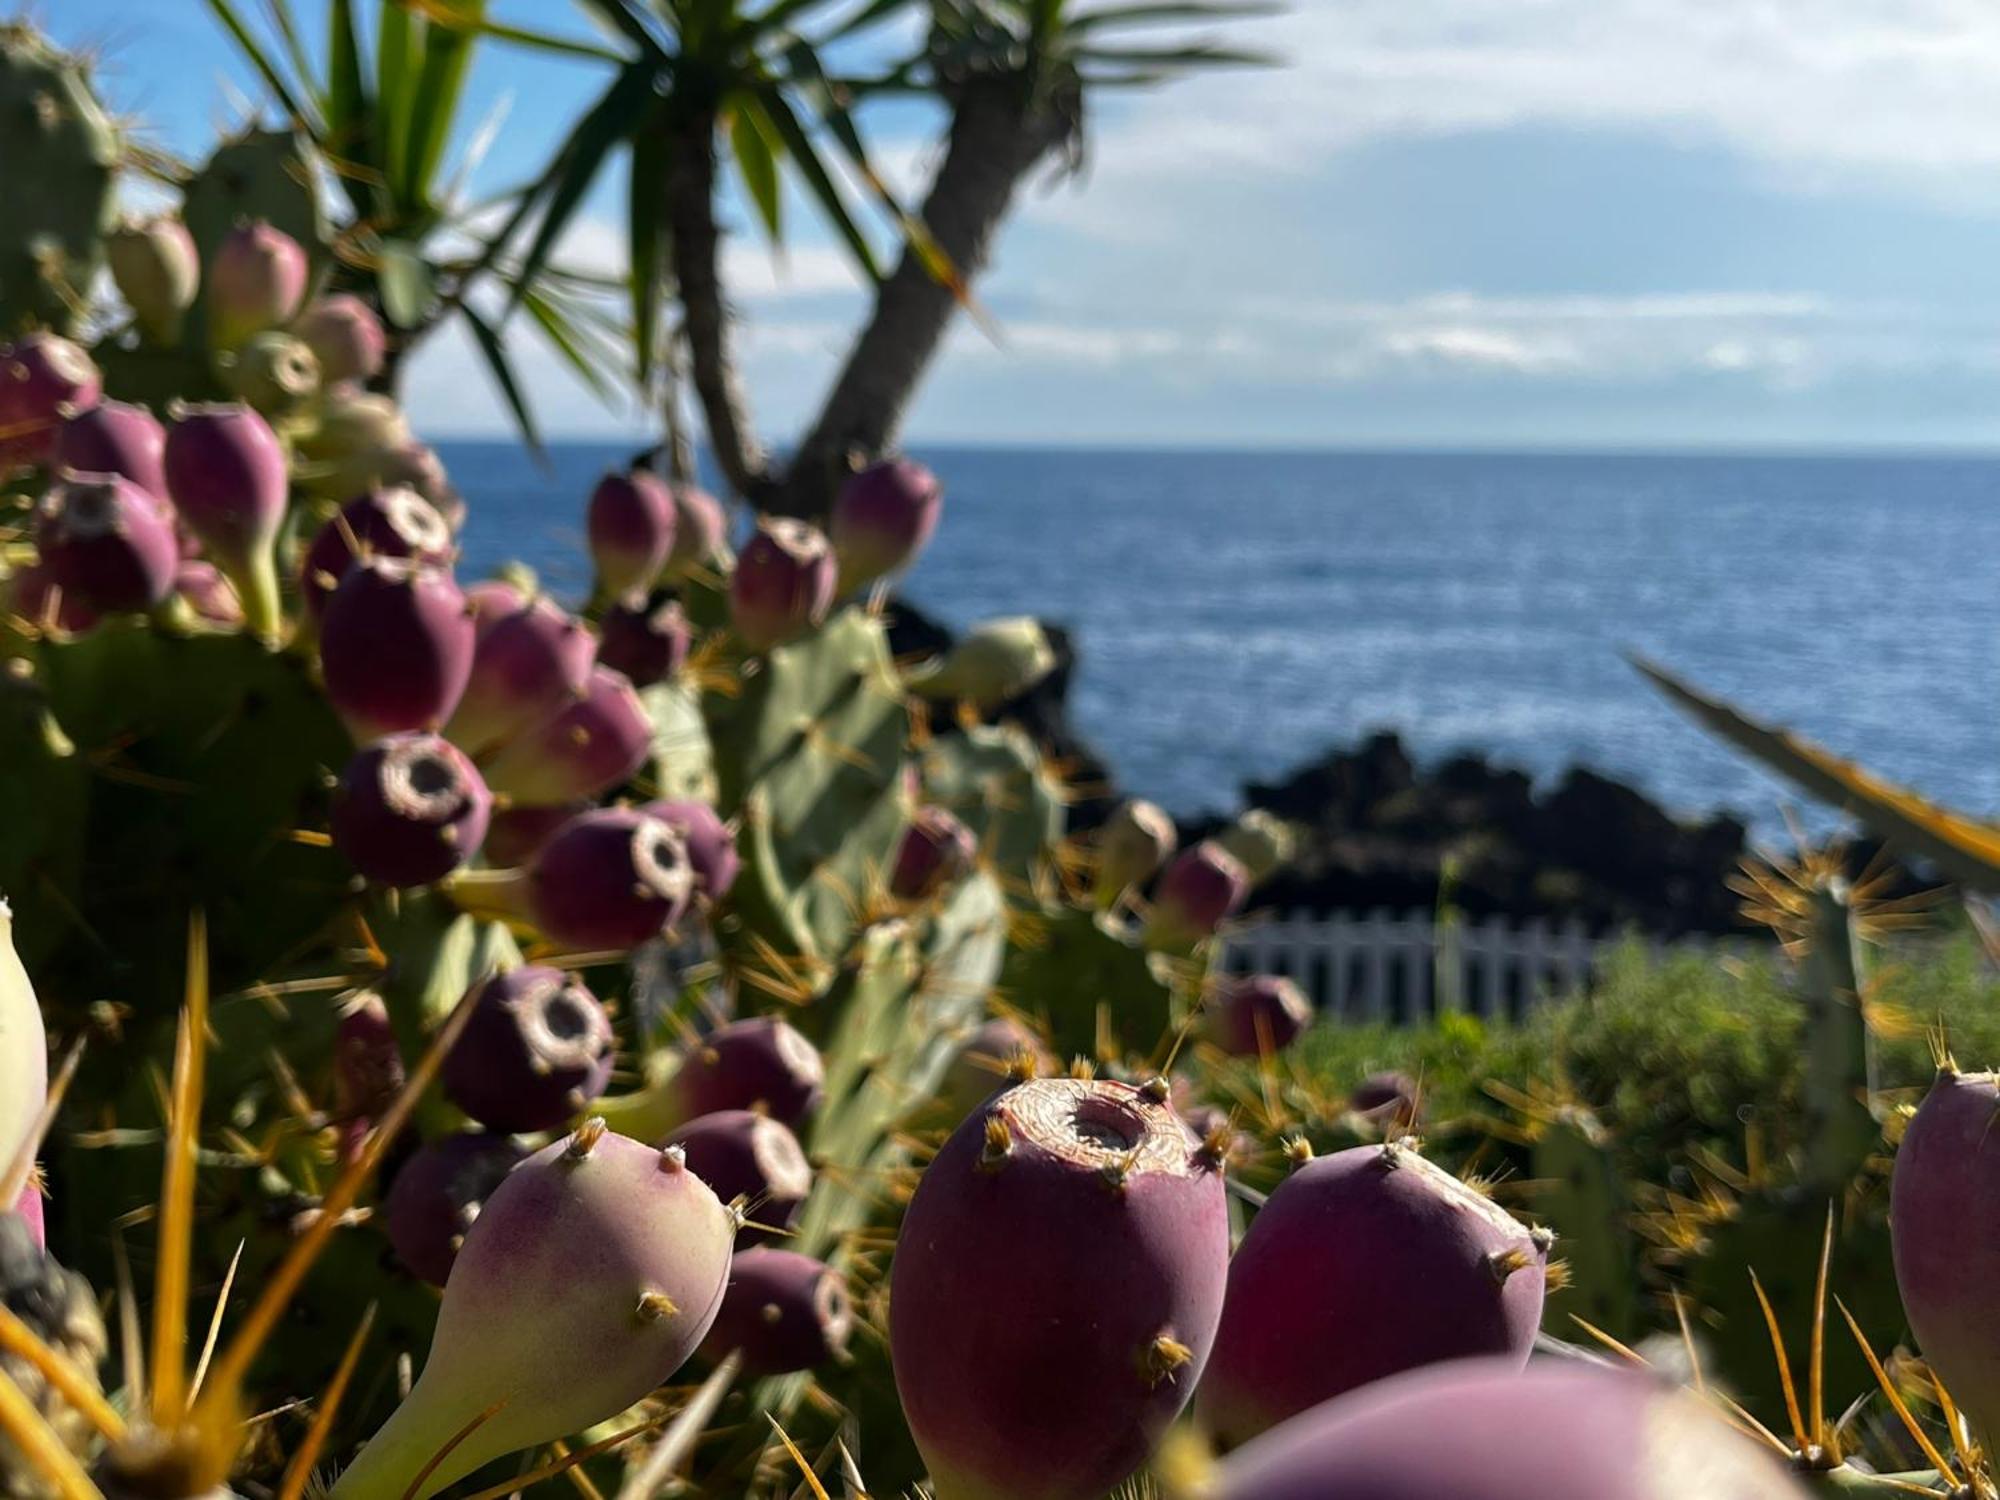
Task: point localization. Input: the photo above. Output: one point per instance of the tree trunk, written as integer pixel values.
(690, 192)
(997, 136)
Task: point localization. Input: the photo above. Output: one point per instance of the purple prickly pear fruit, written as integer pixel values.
(1200, 891)
(158, 272)
(1135, 841)
(596, 742)
(516, 834)
(409, 810)
(437, 1195)
(378, 523)
(748, 1156)
(1257, 1015)
(882, 518)
(936, 850)
(368, 1070)
(208, 593)
(1483, 1430)
(491, 600)
(711, 846)
(395, 645)
(998, 1054)
(700, 528)
(346, 335)
(256, 281)
(42, 377)
(1947, 1183)
(1388, 1099)
(1361, 1265)
(759, 1063)
(526, 669)
(593, 1272)
(631, 525)
(783, 584)
(114, 437)
(274, 374)
(783, 1312)
(536, 1051)
(226, 477)
(33, 1213)
(1055, 1289)
(32, 594)
(648, 643)
(613, 878)
(108, 543)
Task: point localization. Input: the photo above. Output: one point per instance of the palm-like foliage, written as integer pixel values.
(384, 111)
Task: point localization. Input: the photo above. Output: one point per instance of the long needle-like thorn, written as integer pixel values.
(1816, 1373)
(215, 1324)
(1784, 1365)
(1896, 1403)
(681, 1435)
(812, 1479)
(299, 1470)
(564, 1463)
(177, 1178)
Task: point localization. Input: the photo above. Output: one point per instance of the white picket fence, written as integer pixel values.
(1401, 969)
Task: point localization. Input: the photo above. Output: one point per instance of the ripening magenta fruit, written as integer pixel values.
(526, 669)
(613, 878)
(33, 595)
(256, 280)
(158, 272)
(882, 518)
(395, 645)
(491, 600)
(593, 1271)
(438, 1193)
(631, 523)
(226, 477)
(208, 593)
(409, 810)
(759, 1063)
(24, 1056)
(597, 741)
(347, 337)
(1055, 1289)
(42, 377)
(711, 846)
(1483, 1430)
(1135, 841)
(1946, 1200)
(114, 437)
(108, 543)
(368, 1069)
(748, 1156)
(647, 642)
(376, 523)
(700, 528)
(1388, 1099)
(1200, 891)
(1256, 1015)
(783, 584)
(536, 1051)
(516, 834)
(1361, 1265)
(936, 850)
(783, 1312)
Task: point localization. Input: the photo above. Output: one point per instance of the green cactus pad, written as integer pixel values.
(1085, 979)
(1582, 1197)
(683, 759)
(993, 780)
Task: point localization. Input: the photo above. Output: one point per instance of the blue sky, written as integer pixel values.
(1540, 223)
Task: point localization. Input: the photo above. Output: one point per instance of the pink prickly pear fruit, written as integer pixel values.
(409, 810)
(32, 594)
(1082, 1201)
(1135, 841)
(439, 1192)
(783, 1312)
(783, 584)
(107, 542)
(1361, 1265)
(32, 1212)
(536, 1051)
(1257, 1015)
(711, 846)
(208, 593)
(395, 645)
(1200, 891)
(42, 377)
(613, 878)
(368, 1069)
(700, 528)
(1388, 1099)
(24, 1049)
(1947, 1182)
(1484, 1430)
(345, 334)
(597, 741)
(226, 477)
(759, 1063)
(526, 669)
(593, 1272)
(631, 526)
(648, 643)
(936, 850)
(376, 523)
(882, 518)
(748, 1156)
(491, 600)
(114, 437)
(158, 272)
(256, 281)
(998, 1054)
(516, 834)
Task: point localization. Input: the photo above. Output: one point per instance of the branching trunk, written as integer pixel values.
(997, 137)
(690, 191)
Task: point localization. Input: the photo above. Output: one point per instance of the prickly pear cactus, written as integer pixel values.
(62, 152)
(683, 760)
(993, 779)
(1582, 1197)
(1091, 984)
(1841, 1127)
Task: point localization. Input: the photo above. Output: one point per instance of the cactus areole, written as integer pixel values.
(1361, 1265)
(594, 1270)
(1945, 1204)
(1483, 1430)
(1055, 1290)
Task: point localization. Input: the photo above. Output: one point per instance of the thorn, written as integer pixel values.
(1298, 1151)
(584, 1138)
(999, 1145)
(1502, 1264)
(1213, 1152)
(655, 1307)
(1154, 1090)
(1115, 1174)
(1544, 1239)
(1162, 1358)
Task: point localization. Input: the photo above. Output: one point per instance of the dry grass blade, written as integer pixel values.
(1799, 1433)
(177, 1179)
(15, 1177)
(19, 1340)
(1896, 1403)
(564, 1463)
(299, 1470)
(812, 1479)
(37, 1442)
(681, 1435)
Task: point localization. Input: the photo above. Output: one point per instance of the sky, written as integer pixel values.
(1658, 224)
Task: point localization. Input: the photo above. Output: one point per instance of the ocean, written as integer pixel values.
(1239, 614)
